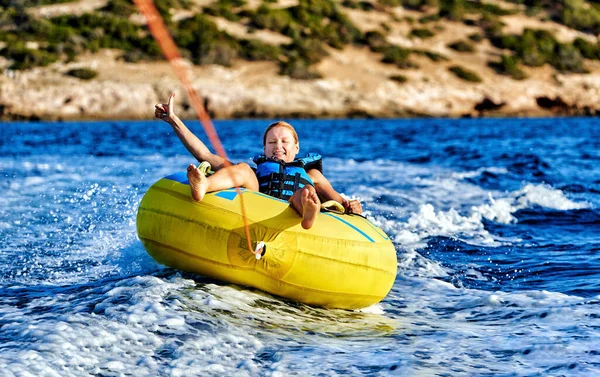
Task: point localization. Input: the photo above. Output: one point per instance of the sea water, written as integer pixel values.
(496, 224)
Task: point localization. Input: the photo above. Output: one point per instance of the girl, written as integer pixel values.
(279, 172)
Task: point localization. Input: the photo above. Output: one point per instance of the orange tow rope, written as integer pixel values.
(171, 52)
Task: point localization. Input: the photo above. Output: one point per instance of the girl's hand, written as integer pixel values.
(165, 111)
(353, 206)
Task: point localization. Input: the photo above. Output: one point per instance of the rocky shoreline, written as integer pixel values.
(124, 91)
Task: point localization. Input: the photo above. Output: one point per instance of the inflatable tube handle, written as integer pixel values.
(205, 168)
(333, 206)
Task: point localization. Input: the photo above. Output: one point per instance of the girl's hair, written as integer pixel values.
(280, 124)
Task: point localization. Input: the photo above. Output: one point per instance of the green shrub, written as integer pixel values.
(144, 50)
(227, 9)
(429, 18)
(376, 41)
(465, 74)
(399, 79)
(533, 11)
(316, 19)
(580, 15)
(433, 56)
(309, 51)
(509, 66)
(413, 4)
(567, 58)
(491, 25)
(110, 31)
(476, 37)
(542, 39)
(390, 3)
(532, 56)
(452, 9)
(510, 42)
(25, 58)
(121, 7)
(238, 3)
(419, 4)
(164, 7)
(82, 73)
(216, 10)
(366, 6)
(538, 47)
(422, 33)
(273, 19)
(337, 27)
(462, 46)
(395, 54)
(297, 69)
(205, 42)
(350, 4)
(362, 5)
(67, 36)
(251, 49)
(398, 56)
(307, 12)
(533, 47)
(587, 49)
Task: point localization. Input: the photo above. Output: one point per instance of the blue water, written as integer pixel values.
(496, 223)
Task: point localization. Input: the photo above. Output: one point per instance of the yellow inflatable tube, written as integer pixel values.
(344, 261)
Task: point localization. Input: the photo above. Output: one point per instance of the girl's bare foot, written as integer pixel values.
(310, 208)
(198, 182)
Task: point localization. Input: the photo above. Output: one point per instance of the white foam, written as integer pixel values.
(547, 197)
(126, 332)
(501, 210)
(428, 222)
(467, 225)
(373, 309)
(412, 263)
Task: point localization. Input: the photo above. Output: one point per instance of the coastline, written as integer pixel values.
(353, 84)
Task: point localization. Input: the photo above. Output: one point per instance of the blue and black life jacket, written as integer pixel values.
(281, 179)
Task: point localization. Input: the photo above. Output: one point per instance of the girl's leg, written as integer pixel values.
(306, 202)
(240, 175)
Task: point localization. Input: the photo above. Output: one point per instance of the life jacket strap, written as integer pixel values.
(279, 185)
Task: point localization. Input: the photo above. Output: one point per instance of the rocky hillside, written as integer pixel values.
(94, 59)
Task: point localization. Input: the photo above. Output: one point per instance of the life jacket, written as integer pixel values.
(281, 179)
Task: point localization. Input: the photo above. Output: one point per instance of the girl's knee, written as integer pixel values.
(243, 168)
(249, 175)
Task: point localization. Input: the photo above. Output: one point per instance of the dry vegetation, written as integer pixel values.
(303, 58)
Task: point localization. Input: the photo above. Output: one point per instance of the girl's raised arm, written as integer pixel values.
(195, 146)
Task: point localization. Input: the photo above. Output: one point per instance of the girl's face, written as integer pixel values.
(280, 143)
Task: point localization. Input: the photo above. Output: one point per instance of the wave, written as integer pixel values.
(470, 227)
(418, 203)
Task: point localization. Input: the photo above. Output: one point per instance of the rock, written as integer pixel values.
(488, 105)
(255, 90)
